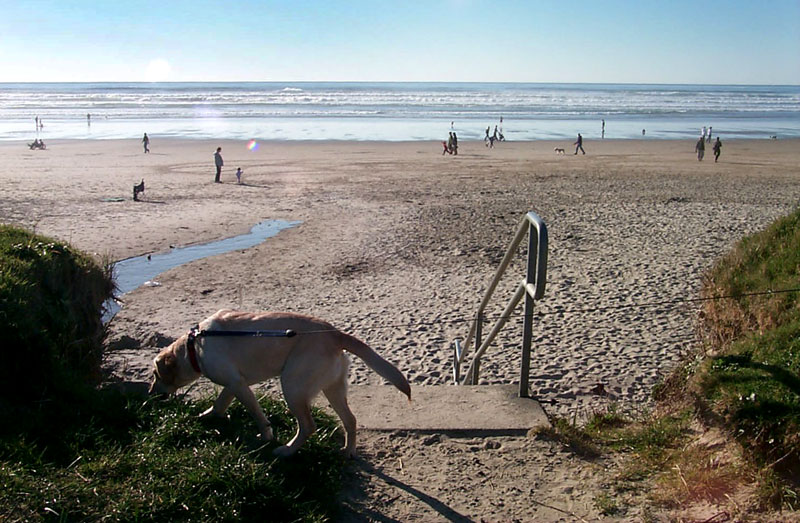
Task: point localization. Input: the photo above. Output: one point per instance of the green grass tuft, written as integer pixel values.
(50, 304)
(126, 459)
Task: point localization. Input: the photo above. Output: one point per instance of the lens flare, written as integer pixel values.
(252, 145)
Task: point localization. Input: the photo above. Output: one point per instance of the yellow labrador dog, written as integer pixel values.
(238, 349)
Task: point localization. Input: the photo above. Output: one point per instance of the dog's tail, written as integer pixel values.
(375, 362)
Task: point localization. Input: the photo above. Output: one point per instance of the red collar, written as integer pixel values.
(190, 349)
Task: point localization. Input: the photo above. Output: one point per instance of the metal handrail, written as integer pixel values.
(532, 287)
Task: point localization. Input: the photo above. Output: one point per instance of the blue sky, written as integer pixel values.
(725, 42)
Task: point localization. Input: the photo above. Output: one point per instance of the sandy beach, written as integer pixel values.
(398, 243)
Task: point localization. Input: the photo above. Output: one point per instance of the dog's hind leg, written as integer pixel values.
(337, 397)
(299, 404)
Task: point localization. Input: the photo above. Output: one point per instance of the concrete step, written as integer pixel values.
(494, 409)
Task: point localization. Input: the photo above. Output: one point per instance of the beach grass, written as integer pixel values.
(89, 455)
(50, 298)
(751, 383)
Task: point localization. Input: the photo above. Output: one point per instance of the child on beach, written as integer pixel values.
(239, 175)
(717, 149)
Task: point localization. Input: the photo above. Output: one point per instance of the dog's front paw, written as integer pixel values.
(266, 434)
(213, 414)
(349, 453)
(284, 451)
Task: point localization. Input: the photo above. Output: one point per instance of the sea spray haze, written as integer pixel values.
(394, 111)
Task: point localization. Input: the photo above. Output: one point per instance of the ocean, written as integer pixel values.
(393, 111)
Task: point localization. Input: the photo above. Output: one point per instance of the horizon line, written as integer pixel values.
(145, 82)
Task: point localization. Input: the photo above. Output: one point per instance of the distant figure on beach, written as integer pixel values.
(488, 127)
(700, 147)
(642, 132)
(36, 122)
(146, 143)
(495, 133)
(445, 149)
(218, 163)
(717, 149)
(88, 119)
(451, 146)
(703, 133)
(709, 134)
(603, 130)
(239, 175)
(579, 144)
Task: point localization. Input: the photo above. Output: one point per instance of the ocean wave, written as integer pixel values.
(407, 101)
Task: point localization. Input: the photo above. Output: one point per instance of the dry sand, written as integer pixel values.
(397, 245)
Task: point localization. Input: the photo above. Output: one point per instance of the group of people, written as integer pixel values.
(37, 144)
(700, 148)
(497, 136)
(219, 163)
(451, 145)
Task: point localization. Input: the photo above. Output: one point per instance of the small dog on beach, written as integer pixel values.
(137, 190)
(307, 354)
(558, 150)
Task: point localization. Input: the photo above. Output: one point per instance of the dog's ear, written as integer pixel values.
(166, 367)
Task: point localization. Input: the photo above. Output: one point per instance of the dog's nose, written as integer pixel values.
(157, 388)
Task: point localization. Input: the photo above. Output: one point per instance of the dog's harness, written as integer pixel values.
(195, 333)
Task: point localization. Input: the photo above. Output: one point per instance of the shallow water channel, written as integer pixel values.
(132, 273)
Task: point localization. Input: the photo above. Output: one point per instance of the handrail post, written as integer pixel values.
(527, 322)
(478, 341)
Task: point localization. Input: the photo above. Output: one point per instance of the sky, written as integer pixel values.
(608, 41)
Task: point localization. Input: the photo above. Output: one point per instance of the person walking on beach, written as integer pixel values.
(603, 130)
(455, 144)
(709, 134)
(146, 143)
(239, 175)
(717, 149)
(700, 148)
(579, 144)
(218, 163)
(487, 133)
